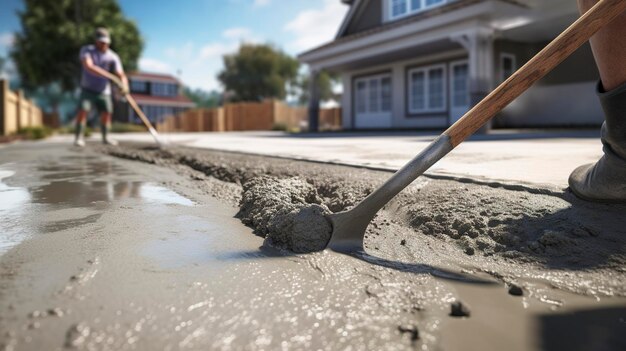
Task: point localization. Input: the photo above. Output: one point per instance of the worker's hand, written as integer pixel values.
(124, 90)
(121, 86)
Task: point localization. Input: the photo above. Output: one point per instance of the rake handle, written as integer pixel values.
(139, 112)
(536, 68)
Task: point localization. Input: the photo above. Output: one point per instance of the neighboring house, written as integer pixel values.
(424, 63)
(158, 96)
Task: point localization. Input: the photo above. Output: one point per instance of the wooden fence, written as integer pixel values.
(244, 116)
(16, 111)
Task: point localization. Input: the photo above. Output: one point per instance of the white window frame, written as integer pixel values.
(366, 80)
(451, 77)
(503, 56)
(426, 70)
(409, 11)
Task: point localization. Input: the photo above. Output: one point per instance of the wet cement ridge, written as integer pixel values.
(532, 189)
(479, 222)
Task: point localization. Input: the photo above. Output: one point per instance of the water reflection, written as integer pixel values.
(88, 183)
(12, 201)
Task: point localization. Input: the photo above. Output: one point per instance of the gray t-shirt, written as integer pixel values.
(108, 61)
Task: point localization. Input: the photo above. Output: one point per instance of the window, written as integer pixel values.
(460, 86)
(164, 89)
(138, 86)
(427, 89)
(385, 99)
(400, 8)
(507, 66)
(172, 89)
(361, 97)
(373, 95)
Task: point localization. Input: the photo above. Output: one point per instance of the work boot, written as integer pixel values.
(80, 142)
(106, 128)
(605, 181)
(79, 139)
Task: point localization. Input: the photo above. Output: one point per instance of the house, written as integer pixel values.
(422, 64)
(158, 96)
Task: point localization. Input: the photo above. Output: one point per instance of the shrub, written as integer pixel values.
(35, 133)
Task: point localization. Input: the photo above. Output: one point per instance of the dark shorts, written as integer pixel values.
(89, 100)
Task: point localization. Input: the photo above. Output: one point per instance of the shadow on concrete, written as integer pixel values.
(265, 252)
(581, 236)
(583, 330)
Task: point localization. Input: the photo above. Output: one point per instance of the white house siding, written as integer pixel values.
(565, 97)
(398, 71)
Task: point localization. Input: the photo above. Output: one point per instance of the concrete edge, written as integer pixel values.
(543, 189)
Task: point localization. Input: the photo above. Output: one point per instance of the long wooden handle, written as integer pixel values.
(139, 112)
(558, 50)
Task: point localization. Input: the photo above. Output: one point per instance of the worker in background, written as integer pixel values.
(100, 66)
(605, 180)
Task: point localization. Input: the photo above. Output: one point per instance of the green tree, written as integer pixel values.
(325, 82)
(258, 72)
(203, 98)
(46, 50)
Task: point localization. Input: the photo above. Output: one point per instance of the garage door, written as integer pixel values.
(373, 101)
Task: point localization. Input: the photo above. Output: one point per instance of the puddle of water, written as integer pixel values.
(69, 184)
(12, 201)
(162, 195)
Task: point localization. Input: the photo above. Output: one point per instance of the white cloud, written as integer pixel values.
(237, 33)
(153, 65)
(200, 64)
(216, 50)
(260, 3)
(313, 27)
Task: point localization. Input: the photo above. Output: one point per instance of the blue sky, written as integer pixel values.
(191, 36)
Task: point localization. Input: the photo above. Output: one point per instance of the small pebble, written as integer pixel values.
(34, 314)
(458, 309)
(55, 312)
(403, 242)
(469, 251)
(411, 330)
(516, 290)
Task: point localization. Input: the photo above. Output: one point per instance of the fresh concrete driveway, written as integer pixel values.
(536, 158)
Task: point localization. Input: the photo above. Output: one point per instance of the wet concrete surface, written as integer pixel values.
(103, 253)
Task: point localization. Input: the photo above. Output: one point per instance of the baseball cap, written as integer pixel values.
(102, 35)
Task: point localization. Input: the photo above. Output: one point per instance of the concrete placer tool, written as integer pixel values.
(145, 120)
(349, 226)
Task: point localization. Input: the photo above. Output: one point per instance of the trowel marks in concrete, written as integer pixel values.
(287, 212)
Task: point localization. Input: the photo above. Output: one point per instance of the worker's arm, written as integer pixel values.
(124, 82)
(98, 71)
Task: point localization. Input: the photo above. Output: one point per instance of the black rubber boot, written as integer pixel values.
(605, 181)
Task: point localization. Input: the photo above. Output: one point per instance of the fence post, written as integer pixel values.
(314, 102)
(4, 106)
(20, 101)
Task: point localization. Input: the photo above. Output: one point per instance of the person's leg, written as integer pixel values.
(79, 130)
(106, 112)
(84, 107)
(105, 127)
(605, 181)
(609, 49)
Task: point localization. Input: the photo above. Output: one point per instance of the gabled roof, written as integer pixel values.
(436, 11)
(354, 6)
(160, 77)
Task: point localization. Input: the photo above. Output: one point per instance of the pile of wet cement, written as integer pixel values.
(287, 212)
(550, 228)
